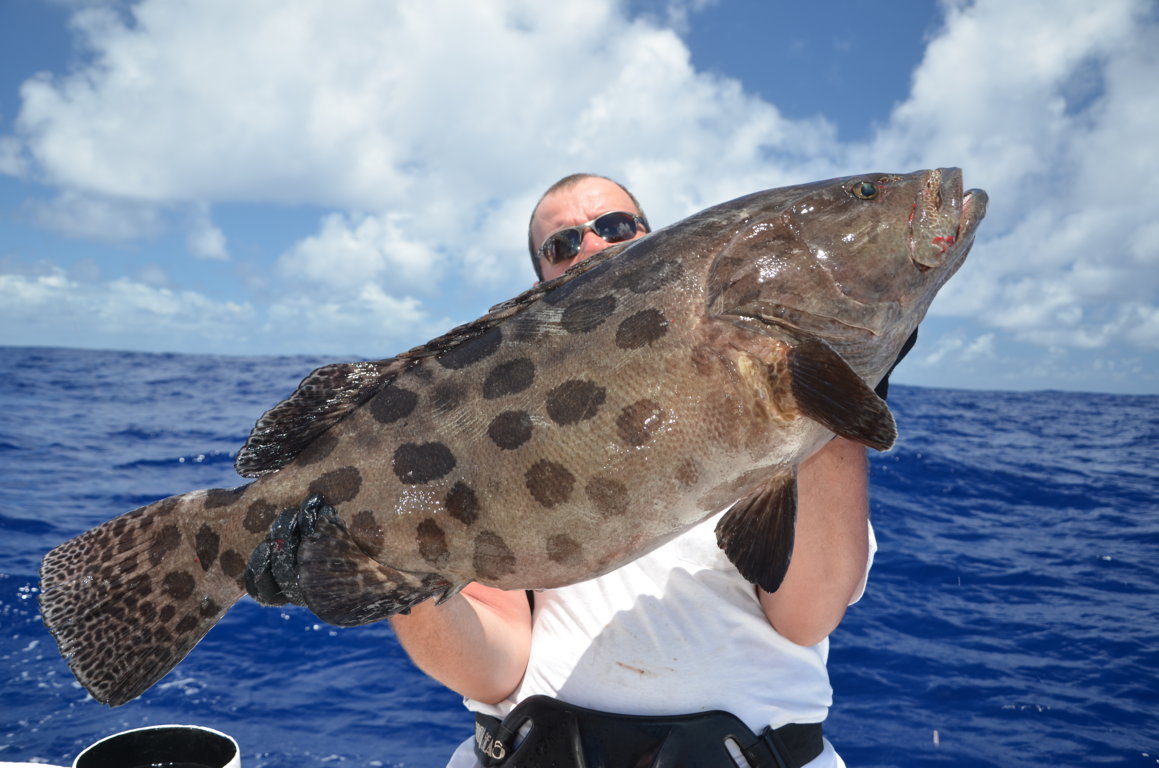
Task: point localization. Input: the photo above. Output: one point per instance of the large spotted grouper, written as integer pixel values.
(567, 432)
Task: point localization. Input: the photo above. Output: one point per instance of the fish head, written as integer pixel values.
(854, 262)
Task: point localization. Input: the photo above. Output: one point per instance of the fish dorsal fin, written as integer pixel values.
(322, 399)
(331, 392)
(757, 532)
(829, 392)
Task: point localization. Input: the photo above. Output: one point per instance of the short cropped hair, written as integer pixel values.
(567, 182)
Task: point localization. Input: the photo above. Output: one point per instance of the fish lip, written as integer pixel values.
(974, 202)
(943, 232)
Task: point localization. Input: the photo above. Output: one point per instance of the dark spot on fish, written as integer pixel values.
(574, 401)
(232, 564)
(472, 351)
(560, 293)
(510, 429)
(587, 314)
(641, 329)
(167, 613)
(367, 532)
(446, 397)
(187, 624)
(639, 422)
(416, 463)
(549, 483)
(688, 473)
(221, 497)
(563, 549)
(141, 584)
(461, 503)
(523, 329)
(162, 509)
(338, 485)
(705, 360)
(419, 371)
(147, 611)
(178, 584)
(650, 275)
(393, 404)
(165, 542)
(318, 450)
(608, 496)
(493, 558)
(209, 607)
(432, 543)
(260, 516)
(207, 544)
(509, 378)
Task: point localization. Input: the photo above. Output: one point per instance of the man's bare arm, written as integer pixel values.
(477, 643)
(831, 546)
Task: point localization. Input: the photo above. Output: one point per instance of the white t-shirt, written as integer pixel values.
(676, 631)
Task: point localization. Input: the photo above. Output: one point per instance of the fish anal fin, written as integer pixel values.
(757, 532)
(344, 586)
(129, 599)
(828, 391)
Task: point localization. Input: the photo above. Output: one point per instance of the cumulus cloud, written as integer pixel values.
(427, 130)
(47, 305)
(353, 250)
(1044, 105)
(94, 216)
(203, 240)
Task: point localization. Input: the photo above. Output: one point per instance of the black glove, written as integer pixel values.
(271, 577)
(882, 388)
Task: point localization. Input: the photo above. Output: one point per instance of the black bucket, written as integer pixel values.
(162, 746)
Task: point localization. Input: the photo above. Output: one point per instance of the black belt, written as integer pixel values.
(567, 736)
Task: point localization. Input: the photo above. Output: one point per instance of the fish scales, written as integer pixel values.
(568, 431)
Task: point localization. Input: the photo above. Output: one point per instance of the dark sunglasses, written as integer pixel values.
(613, 226)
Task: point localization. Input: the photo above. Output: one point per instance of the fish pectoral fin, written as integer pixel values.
(757, 532)
(828, 391)
(344, 586)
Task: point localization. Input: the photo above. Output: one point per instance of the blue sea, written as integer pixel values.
(1012, 616)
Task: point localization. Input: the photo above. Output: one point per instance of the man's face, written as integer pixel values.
(568, 207)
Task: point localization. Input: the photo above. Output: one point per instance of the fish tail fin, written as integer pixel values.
(127, 600)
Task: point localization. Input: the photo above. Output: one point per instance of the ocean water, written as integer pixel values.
(1012, 616)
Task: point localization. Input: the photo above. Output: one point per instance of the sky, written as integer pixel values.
(349, 178)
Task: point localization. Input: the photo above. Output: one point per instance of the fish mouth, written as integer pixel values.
(944, 220)
(974, 202)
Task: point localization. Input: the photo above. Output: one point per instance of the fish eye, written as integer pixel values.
(866, 190)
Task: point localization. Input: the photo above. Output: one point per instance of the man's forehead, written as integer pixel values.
(582, 201)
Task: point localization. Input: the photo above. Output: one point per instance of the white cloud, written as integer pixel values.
(93, 216)
(429, 129)
(366, 322)
(203, 240)
(1044, 105)
(48, 305)
(957, 348)
(12, 161)
(353, 250)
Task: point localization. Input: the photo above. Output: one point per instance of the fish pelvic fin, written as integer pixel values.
(829, 392)
(128, 600)
(757, 532)
(345, 586)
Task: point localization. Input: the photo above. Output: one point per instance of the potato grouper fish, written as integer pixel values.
(565, 433)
